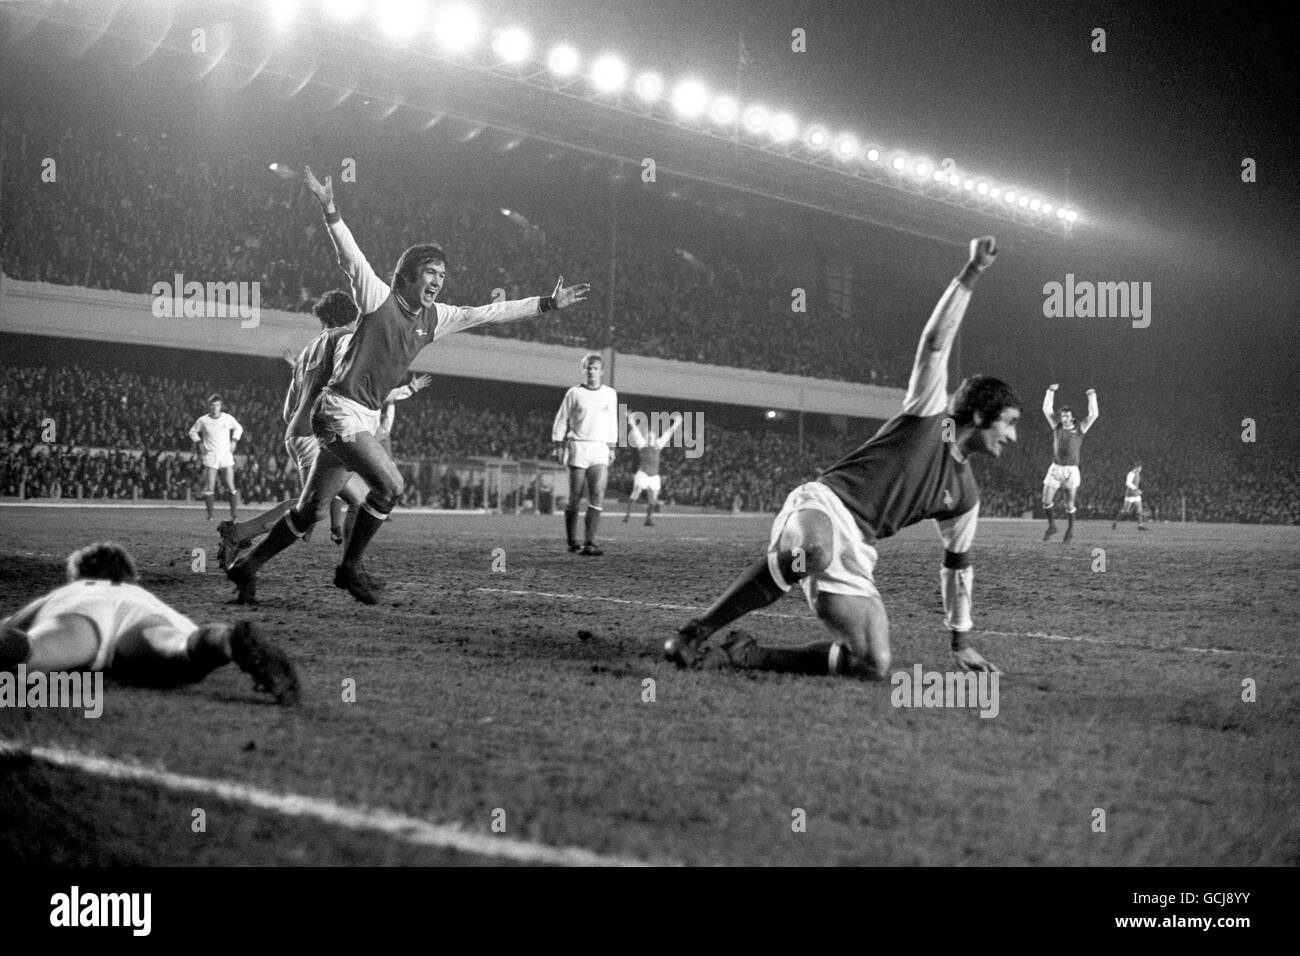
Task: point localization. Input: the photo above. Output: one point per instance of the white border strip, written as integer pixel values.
(395, 825)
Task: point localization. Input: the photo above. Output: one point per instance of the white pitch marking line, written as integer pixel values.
(398, 826)
(800, 617)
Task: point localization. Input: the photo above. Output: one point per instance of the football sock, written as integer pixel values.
(15, 647)
(1069, 518)
(754, 589)
(209, 647)
(349, 523)
(207, 502)
(370, 518)
(1051, 517)
(281, 536)
(809, 659)
(593, 522)
(571, 525)
(260, 524)
(234, 505)
(336, 515)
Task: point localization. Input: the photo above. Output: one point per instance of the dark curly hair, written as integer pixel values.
(103, 561)
(335, 309)
(985, 395)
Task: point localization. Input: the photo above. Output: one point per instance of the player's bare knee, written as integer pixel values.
(392, 486)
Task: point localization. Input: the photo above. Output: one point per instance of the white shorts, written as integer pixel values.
(212, 459)
(642, 482)
(304, 450)
(118, 611)
(1132, 501)
(579, 453)
(1062, 476)
(337, 417)
(853, 561)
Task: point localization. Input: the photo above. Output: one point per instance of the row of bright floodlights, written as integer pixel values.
(458, 30)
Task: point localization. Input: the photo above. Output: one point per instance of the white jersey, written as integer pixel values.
(587, 414)
(217, 435)
(1132, 482)
(115, 610)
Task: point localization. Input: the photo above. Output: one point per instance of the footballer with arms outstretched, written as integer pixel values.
(647, 478)
(102, 620)
(396, 322)
(584, 435)
(312, 369)
(1067, 439)
(917, 466)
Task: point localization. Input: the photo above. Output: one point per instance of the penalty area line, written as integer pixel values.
(394, 825)
(800, 617)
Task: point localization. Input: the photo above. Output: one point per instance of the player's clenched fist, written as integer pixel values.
(983, 251)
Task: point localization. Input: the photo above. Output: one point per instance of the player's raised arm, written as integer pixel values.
(957, 582)
(368, 290)
(458, 318)
(1093, 413)
(1049, 404)
(927, 392)
(663, 440)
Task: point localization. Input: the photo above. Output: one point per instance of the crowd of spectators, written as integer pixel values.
(71, 430)
(131, 207)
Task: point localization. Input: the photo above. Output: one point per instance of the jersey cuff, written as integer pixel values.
(547, 303)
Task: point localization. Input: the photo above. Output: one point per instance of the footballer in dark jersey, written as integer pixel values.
(1067, 440)
(916, 467)
(396, 322)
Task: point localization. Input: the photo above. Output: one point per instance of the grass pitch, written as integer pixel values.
(509, 705)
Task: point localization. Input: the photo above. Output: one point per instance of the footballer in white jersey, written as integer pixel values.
(215, 435)
(101, 620)
(585, 434)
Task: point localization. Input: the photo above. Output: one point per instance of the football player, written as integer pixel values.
(916, 466)
(397, 321)
(214, 436)
(584, 435)
(101, 620)
(1067, 439)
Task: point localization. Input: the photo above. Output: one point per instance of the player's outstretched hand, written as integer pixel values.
(324, 193)
(565, 296)
(1054, 386)
(969, 659)
(983, 251)
(421, 381)
(557, 451)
